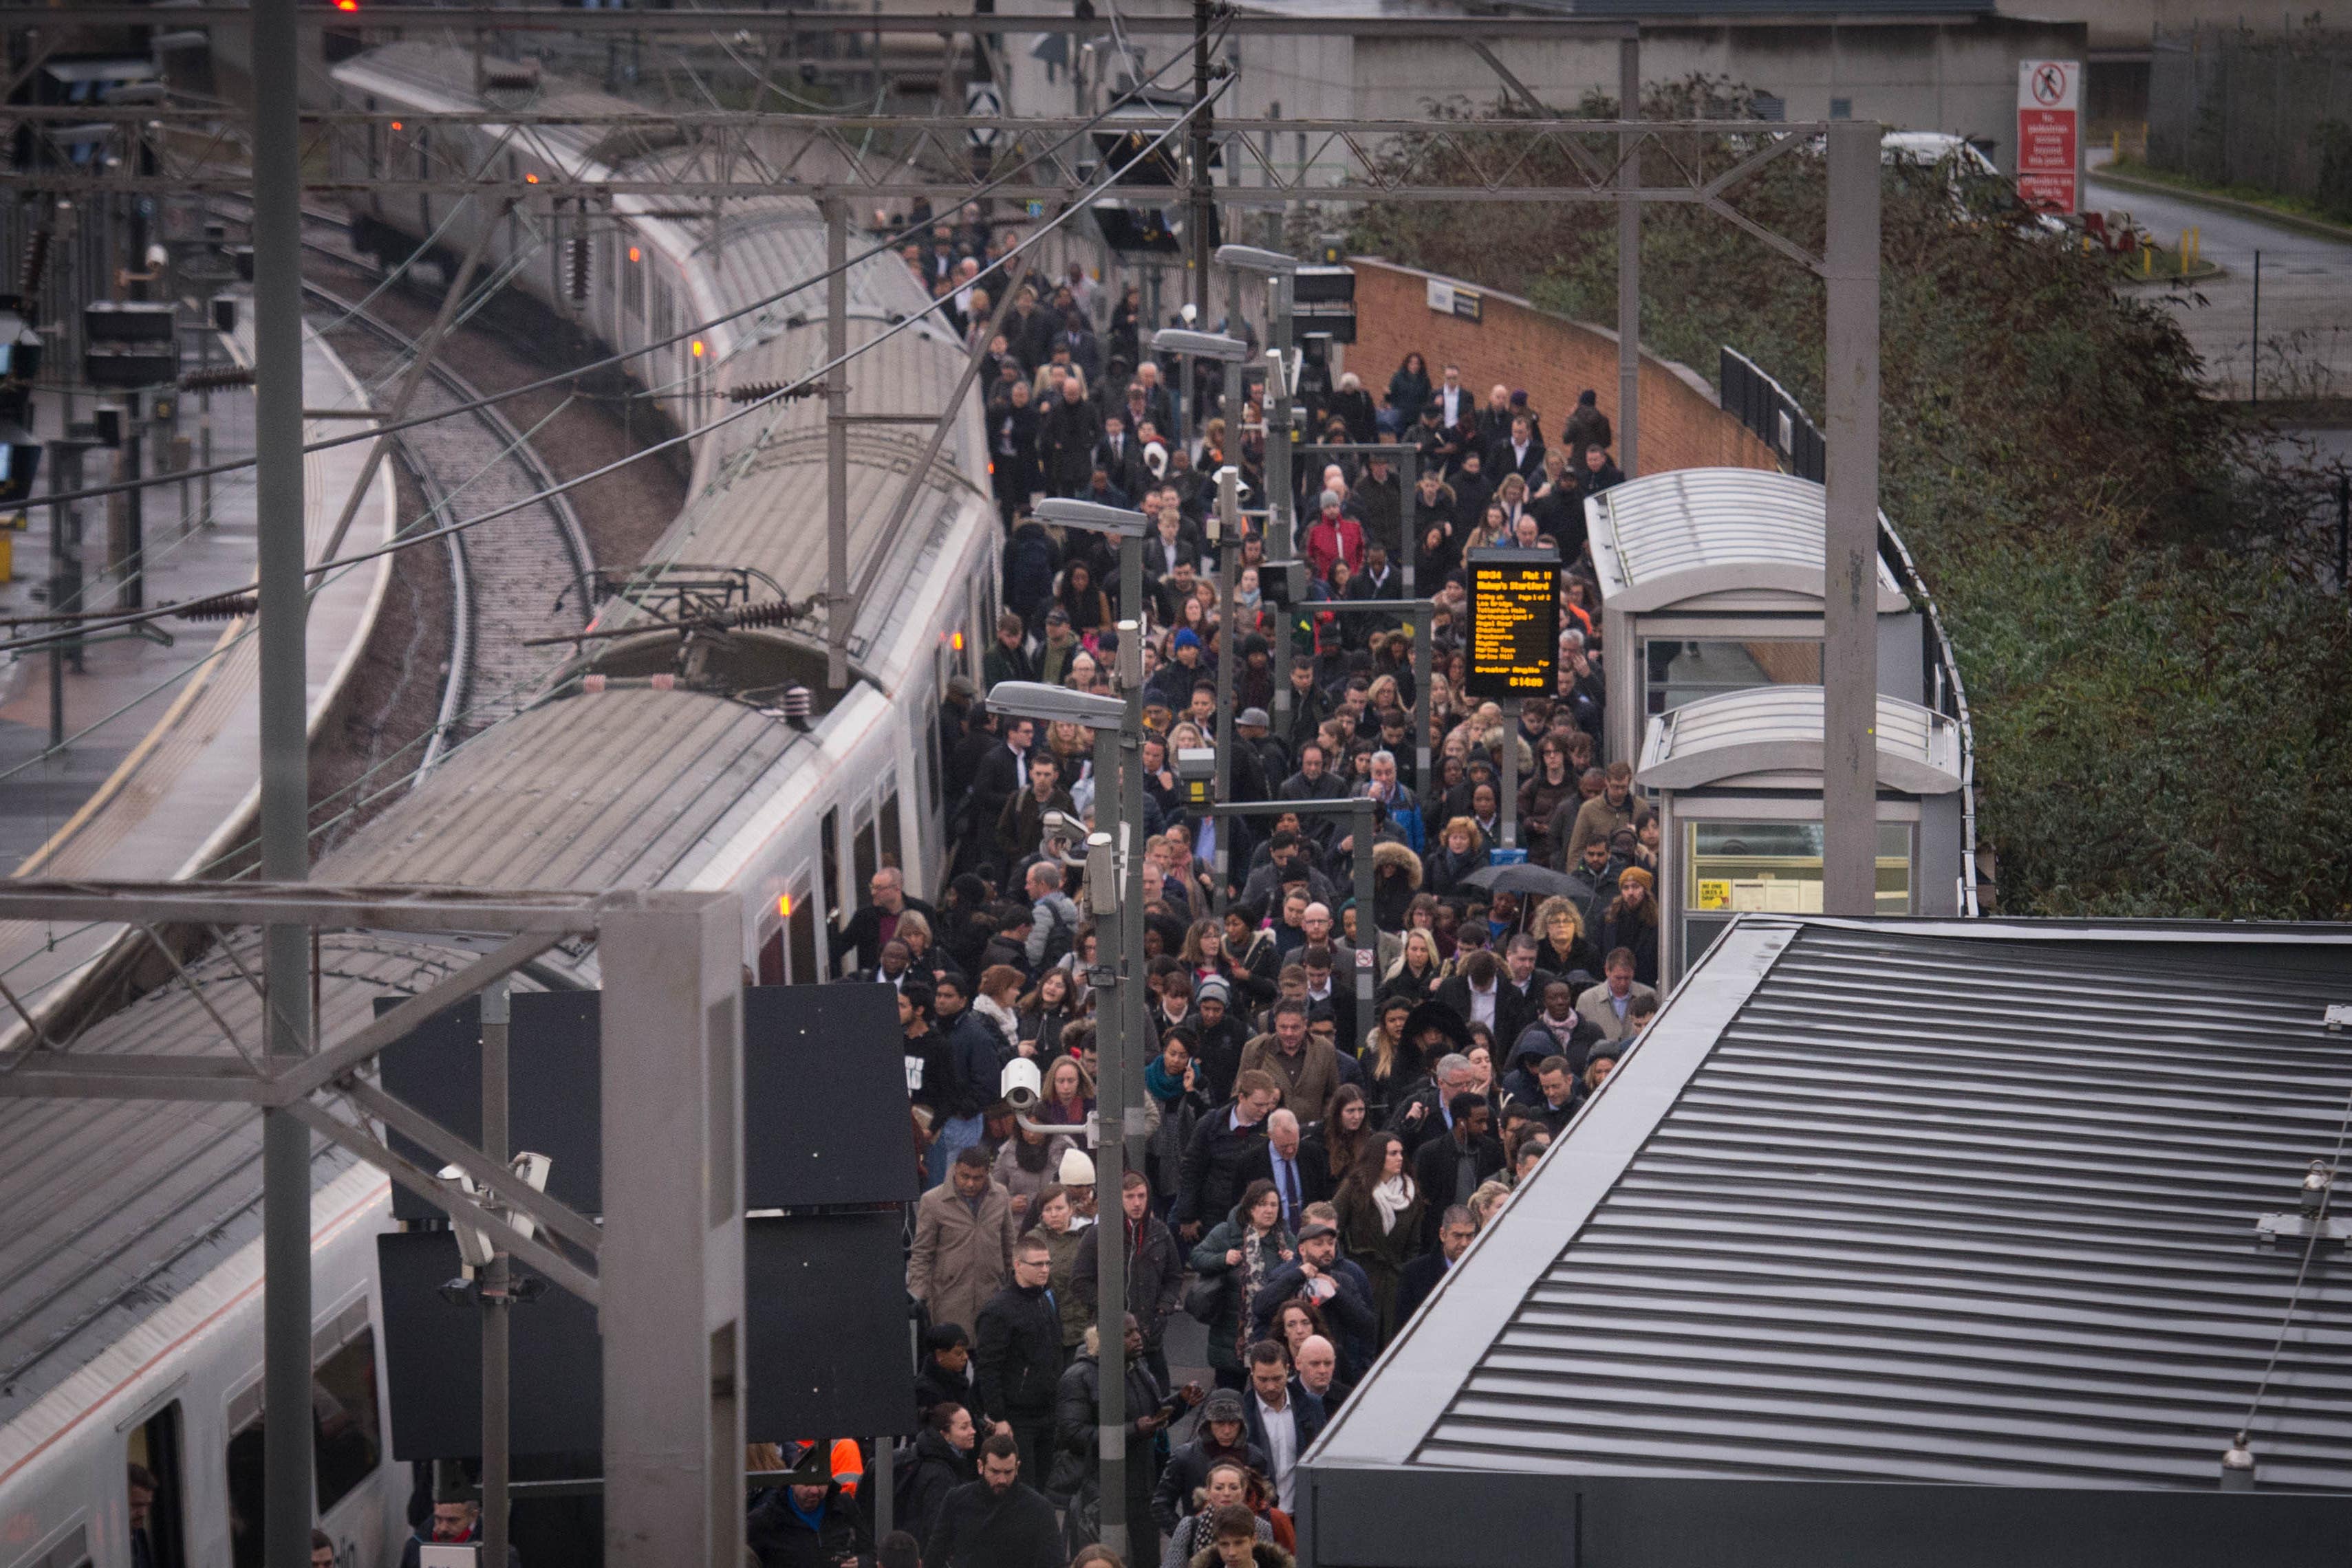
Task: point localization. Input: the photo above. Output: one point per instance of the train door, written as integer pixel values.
(828, 849)
(867, 850)
(787, 948)
(347, 1427)
(156, 1486)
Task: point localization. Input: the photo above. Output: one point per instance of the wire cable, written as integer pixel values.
(786, 391)
(980, 193)
(2318, 1224)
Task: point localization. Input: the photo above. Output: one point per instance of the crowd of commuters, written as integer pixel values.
(1310, 1172)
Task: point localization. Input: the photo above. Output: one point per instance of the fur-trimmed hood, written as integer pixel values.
(1389, 855)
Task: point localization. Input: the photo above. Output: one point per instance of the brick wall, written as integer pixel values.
(1550, 355)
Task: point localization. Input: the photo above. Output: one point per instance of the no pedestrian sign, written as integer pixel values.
(1514, 624)
(2049, 139)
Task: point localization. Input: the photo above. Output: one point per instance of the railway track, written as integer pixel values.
(509, 573)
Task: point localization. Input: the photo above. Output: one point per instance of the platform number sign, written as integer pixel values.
(2049, 133)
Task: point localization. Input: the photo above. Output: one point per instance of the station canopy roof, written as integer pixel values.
(1686, 533)
(1931, 1242)
(1778, 730)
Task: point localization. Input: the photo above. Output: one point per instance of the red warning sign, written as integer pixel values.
(2049, 140)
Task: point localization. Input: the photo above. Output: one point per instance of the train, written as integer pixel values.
(130, 1273)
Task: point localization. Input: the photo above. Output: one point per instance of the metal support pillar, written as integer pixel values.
(286, 1495)
(670, 1270)
(1408, 469)
(496, 1016)
(836, 445)
(1506, 808)
(1850, 586)
(1203, 190)
(1281, 516)
(1628, 259)
(1113, 1111)
(1368, 928)
(1424, 778)
(1225, 532)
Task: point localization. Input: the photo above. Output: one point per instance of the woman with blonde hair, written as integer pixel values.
(1414, 977)
(1461, 850)
(1562, 945)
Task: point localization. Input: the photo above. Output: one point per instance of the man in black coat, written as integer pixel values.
(1448, 1170)
(1421, 1277)
(805, 1527)
(1155, 1270)
(1211, 1183)
(876, 922)
(1002, 773)
(1019, 1354)
(997, 1521)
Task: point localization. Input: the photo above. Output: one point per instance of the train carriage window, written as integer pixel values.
(801, 936)
(893, 847)
(346, 1427)
(157, 1502)
(828, 848)
(343, 1408)
(771, 969)
(867, 849)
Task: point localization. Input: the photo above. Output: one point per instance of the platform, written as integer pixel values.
(184, 787)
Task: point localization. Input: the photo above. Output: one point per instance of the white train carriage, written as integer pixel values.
(130, 1313)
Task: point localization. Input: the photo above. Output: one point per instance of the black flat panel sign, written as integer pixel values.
(825, 1345)
(1514, 624)
(824, 1094)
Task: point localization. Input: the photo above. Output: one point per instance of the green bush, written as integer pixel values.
(2162, 710)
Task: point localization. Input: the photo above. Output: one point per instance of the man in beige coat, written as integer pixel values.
(1306, 1070)
(963, 1243)
(1609, 1007)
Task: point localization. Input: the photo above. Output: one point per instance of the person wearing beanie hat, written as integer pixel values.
(1334, 537)
(1078, 1175)
(1631, 922)
(1220, 1435)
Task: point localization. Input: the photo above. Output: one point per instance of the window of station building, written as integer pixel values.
(1732, 868)
(151, 1453)
(828, 849)
(1677, 671)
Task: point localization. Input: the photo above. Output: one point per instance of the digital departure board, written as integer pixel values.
(1514, 624)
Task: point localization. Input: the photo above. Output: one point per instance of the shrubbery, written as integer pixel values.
(2159, 678)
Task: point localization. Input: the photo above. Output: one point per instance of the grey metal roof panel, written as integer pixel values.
(1921, 1202)
(1668, 536)
(1775, 729)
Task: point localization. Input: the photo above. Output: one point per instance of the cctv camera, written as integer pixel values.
(1021, 1085)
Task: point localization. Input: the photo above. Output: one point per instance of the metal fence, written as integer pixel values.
(2269, 109)
(1766, 407)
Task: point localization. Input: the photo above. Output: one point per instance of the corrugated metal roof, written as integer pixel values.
(1918, 1202)
(1769, 527)
(1779, 728)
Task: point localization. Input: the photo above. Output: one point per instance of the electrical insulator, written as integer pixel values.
(579, 269)
(219, 607)
(215, 379)
(35, 263)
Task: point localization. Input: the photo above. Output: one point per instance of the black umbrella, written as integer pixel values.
(1534, 880)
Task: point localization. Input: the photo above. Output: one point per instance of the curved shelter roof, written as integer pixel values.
(1692, 532)
(1778, 730)
(1961, 1214)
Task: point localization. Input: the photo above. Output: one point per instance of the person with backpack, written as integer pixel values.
(938, 1461)
(1052, 917)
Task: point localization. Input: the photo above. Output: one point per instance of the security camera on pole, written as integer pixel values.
(1117, 722)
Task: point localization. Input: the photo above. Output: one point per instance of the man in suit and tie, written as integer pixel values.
(1452, 398)
(1420, 1277)
(1118, 454)
(1295, 1169)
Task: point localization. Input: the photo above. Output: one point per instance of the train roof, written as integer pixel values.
(1909, 1203)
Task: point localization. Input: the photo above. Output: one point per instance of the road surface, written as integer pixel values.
(2306, 305)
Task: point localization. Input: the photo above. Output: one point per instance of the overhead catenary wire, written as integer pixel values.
(624, 356)
(1002, 263)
